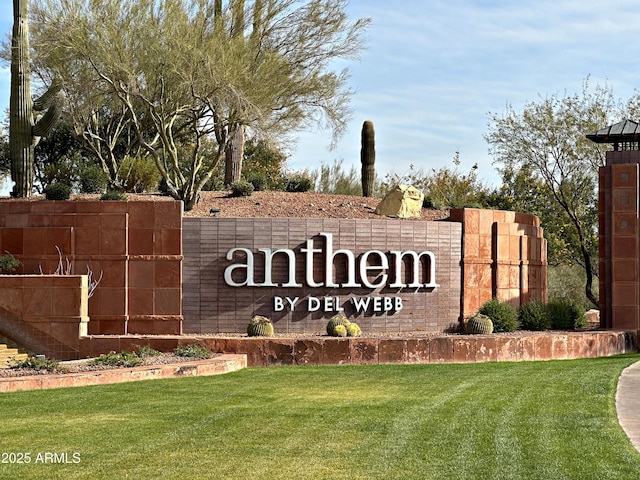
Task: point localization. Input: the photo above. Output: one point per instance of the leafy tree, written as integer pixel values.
(265, 161)
(184, 79)
(106, 133)
(550, 168)
(58, 158)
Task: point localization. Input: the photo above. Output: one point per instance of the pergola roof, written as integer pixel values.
(625, 131)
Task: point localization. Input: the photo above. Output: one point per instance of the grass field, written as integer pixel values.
(531, 420)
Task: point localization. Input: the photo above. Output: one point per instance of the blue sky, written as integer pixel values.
(434, 69)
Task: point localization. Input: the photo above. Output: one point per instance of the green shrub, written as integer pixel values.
(334, 180)
(241, 188)
(193, 350)
(138, 174)
(146, 351)
(93, 179)
(35, 363)
(567, 281)
(57, 191)
(565, 314)
(503, 316)
(534, 316)
(259, 181)
(298, 182)
(8, 263)
(113, 359)
(113, 195)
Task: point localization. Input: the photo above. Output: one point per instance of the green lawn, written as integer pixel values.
(533, 420)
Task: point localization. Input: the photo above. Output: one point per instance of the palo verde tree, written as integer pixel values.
(26, 126)
(544, 147)
(186, 81)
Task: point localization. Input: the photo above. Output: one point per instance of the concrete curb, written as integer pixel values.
(628, 403)
(221, 364)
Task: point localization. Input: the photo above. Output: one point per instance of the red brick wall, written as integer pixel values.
(138, 249)
(44, 313)
(136, 246)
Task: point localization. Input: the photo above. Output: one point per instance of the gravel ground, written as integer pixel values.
(295, 205)
(275, 205)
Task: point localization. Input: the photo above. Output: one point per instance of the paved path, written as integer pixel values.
(628, 403)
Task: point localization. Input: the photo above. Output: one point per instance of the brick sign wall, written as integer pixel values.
(388, 275)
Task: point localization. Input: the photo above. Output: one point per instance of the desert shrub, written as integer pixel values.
(113, 359)
(241, 188)
(298, 182)
(445, 186)
(503, 316)
(567, 281)
(113, 195)
(8, 263)
(259, 181)
(534, 316)
(39, 364)
(93, 179)
(138, 174)
(334, 180)
(565, 314)
(146, 351)
(193, 350)
(57, 191)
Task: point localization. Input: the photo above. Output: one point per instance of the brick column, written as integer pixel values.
(619, 242)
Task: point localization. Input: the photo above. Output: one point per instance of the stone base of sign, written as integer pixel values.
(215, 366)
(324, 350)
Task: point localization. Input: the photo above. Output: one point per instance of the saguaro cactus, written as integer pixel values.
(368, 158)
(24, 131)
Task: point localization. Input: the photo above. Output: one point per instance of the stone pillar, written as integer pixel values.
(619, 242)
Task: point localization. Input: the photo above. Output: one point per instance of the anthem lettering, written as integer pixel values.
(371, 269)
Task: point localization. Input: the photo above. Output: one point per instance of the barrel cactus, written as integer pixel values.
(368, 158)
(335, 321)
(480, 324)
(353, 330)
(340, 331)
(260, 327)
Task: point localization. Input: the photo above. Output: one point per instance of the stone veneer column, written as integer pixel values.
(618, 237)
(504, 257)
